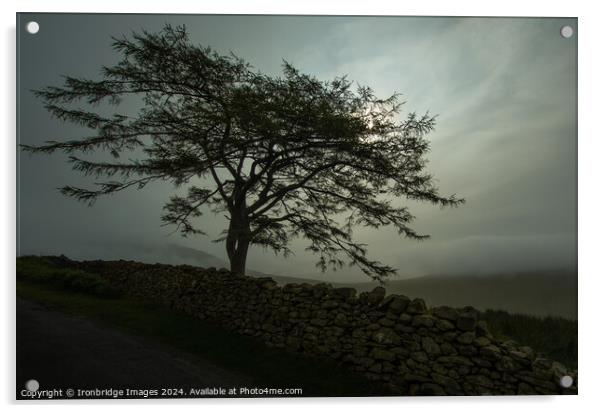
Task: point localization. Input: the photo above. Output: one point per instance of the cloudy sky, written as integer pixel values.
(504, 90)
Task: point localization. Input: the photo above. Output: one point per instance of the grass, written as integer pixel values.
(555, 337)
(245, 355)
(42, 270)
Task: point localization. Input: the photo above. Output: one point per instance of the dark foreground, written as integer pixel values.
(68, 352)
(67, 340)
(173, 305)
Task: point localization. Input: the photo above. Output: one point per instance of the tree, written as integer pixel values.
(282, 157)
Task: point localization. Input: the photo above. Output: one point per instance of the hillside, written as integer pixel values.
(540, 294)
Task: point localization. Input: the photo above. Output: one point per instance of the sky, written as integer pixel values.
(504, 91)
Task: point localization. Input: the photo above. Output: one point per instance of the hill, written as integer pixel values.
(536, 293)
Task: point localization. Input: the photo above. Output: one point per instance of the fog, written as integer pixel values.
(504, 91)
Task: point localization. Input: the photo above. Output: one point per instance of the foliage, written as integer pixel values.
(43, 271)
(282, 157)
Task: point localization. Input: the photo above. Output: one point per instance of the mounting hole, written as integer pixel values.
(566, 381)
(566, 32)
(32, 27)
(32, 385)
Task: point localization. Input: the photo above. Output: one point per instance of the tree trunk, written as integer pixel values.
(238, 261)
(238, 240)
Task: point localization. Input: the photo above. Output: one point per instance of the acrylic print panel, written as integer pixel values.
(295, 206)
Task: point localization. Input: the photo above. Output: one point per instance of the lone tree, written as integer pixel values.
(282, 157)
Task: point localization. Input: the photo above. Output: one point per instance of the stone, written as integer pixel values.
(444, 325)
(376, 368)
(399, 304)
(467, 320)
(491, 352)
(405, 318)
(321, 322)
(458, 360)
(412, 377)
(336, 331)
(448, 349)
(423, 320)
(450, 336)
(480, 380)
(445, 313)
(269, 328)
(388, 367)
(400, 328)
(481, 362)
(359, 351)
(481, 341)
(520, 357)
(373, 376)
(481, 329)
(396, 304)
(321, 290)
(438, 369)
(376, 295)
(416, 306)
(330, 304)
(432, 389)
(539, 384)
(400, 352)
(466, 338)
(430, 346)
(386, 322)
(366, 361)
(382, 354)
(267, 283)
(467, 350)
(419, 356)
(410, 344)
(359, 334)
(450, 385)
(528, 351)
(542, 364)
(344, 292)
(525, 389)
(386, 336)
(558, 370)
(506, 364)
(340, 320)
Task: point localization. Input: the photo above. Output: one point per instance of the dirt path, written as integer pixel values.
(63, 351)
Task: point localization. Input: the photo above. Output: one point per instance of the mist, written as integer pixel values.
(504, 90)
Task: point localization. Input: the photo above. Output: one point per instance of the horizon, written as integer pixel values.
(173, 254)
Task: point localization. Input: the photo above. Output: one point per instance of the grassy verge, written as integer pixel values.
(270, 367)
(42, 270)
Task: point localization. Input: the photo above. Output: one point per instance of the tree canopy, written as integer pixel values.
(281, 156)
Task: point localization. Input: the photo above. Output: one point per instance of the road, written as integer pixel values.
(64, 351)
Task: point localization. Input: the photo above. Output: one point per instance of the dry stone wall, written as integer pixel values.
(392, 339)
